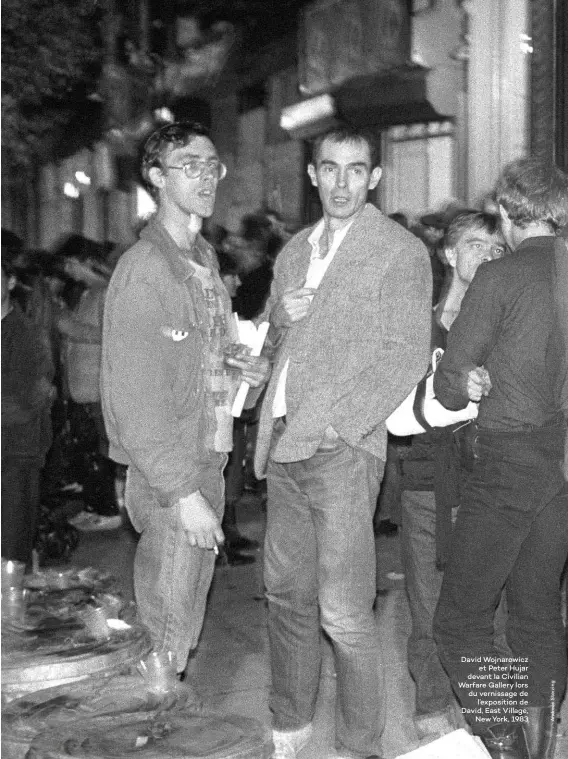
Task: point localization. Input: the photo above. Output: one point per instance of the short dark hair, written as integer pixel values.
(467, 220)
(347, 134)
(179, 134)
(82, 248)
(400, 218)
(11, 242)
(7, 267)
(255, 226)
(534, 190)
(227, 264)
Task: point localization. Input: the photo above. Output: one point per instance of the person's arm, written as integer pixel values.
(139, 395)
(284, 305)
(274, 335)
(469, 341)
(137, 387)
(26, 385)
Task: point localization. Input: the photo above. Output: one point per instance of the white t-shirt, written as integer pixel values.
(316, 271)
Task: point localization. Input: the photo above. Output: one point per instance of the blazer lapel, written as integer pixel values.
(354, 249)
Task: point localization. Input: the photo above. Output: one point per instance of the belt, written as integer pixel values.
(550, 425)
(280, 419)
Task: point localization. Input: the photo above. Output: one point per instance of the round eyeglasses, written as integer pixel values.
(195, 168)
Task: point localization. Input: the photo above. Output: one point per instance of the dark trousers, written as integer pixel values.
(511, 532)
(20, 506)
(234, 471)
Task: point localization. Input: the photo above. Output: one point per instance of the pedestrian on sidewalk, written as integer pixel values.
(167, 387)
(349, 313)
(506, 349)
(235, 542)
(27, 395)
(433, 468)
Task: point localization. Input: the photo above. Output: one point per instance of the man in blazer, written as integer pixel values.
(350, 318)
(507, 349)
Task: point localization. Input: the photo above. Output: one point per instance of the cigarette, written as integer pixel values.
(216, 550)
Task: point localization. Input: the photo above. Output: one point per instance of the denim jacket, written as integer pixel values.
(157, 407)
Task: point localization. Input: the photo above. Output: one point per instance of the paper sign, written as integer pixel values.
(255, 340)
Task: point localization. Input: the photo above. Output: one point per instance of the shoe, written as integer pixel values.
(88, 521)
(430, 727)
(505, 741)
(288, 744)
(541, 731)
(72, 487)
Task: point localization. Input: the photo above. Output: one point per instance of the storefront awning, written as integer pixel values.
(403, 95)
(399, 96)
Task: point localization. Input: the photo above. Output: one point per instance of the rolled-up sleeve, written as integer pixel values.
(470, 339)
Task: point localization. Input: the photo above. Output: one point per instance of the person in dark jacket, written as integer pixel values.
(235, 541)
(506, 349)
(432, 469)
(261, 244)
(27, 393)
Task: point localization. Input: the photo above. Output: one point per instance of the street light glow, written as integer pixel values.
(82, 178)
(71, 190)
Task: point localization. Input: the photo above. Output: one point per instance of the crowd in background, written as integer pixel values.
(60, 294)
(58, 477)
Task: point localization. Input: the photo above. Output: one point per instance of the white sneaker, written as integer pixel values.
(430, 727)
(88, 521)
(287, 745)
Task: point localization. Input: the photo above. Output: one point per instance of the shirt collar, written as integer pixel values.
(538, 241)
(179, 260)
(338, 236)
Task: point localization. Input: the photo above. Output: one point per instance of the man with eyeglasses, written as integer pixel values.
(350, 318)
(167, 387)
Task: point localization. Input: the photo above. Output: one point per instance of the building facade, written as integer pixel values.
(452, 89)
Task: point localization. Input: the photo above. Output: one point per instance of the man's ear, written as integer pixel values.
(312, 174)
(12, 282)
(156, 176)
(451, 256)
(375, 177)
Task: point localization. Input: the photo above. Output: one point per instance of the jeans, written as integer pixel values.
(20, 506)
(512, 532)
(320, 573)
(423, 583)
(171, 578)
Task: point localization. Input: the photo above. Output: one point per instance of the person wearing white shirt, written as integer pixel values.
(349, 320)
